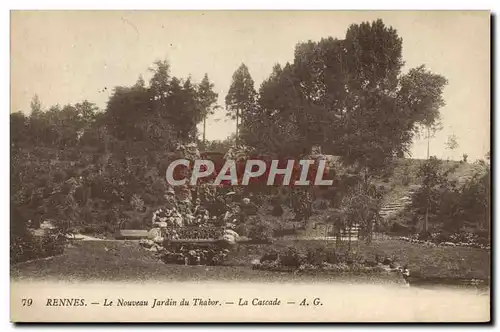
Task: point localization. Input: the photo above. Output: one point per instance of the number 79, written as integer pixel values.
(26, 302)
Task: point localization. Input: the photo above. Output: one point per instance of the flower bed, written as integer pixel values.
(205, 244)
(464, 239)
(194, 254)
(322, 260)
(200, 232)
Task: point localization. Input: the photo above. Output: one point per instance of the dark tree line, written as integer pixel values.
(348, 96)
(85, 167)
(443, 203)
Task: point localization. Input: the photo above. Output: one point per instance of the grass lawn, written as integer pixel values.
(127, 261)
(423, 261)
(435, 262)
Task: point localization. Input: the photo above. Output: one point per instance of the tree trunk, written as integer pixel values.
(338, 234)
(366, 179)
(237, 126)
(428, 140)
(426, 220)
(368, 232)
(358, 238)
(204, 130)
(349, 234)
(326, 234)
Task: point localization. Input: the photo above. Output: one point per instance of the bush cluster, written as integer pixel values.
(291, 258)
(27, 246)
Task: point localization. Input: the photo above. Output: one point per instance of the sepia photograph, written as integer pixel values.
(250, 166)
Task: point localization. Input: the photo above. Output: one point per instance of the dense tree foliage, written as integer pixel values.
(220, 146)
(449, 205)
(240, 99)
(96, 170)
(348, 96)
(208, 101)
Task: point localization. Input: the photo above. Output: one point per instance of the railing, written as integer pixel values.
(352, 232)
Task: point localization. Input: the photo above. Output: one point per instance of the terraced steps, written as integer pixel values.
(397, 205)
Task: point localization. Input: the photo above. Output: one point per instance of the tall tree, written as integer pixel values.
(241, 96)
(35, 105)
(375, 128)
(349, 96)
(86, 111)
(437, 192)
(140, 82)
(452, 143)
(18, 128)
(207, 98)
(275, 125)
(421, 93)
(37, 123)
(160, 81)
(127, 112)
(192, 111)
(158, 116)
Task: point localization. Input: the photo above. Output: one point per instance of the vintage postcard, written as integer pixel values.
(250, 166)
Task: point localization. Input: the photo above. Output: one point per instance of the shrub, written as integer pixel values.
(270, 256)
(483, 241)
(332, 257)
(21, 248)
(242, 230)
(316, 256)
(291, 257)
(483, 234)
(322, 205)
(339, 267)
(277, 210)
(51, 244)
(27, 246)
(406, 177)
(400, 229)
(259, 229)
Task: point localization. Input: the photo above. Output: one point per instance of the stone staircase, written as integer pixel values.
(393, 207)
(473, 170)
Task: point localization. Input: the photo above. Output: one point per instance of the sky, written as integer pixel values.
(66, 57)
